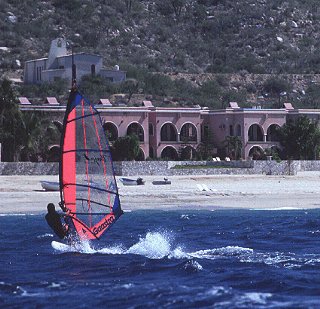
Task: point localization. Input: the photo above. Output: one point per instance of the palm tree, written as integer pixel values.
(234, 147)
(10, 121)
(39, 133)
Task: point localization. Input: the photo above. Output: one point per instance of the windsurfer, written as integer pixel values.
(54, 221)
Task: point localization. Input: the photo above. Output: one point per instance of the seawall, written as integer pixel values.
(169, 168)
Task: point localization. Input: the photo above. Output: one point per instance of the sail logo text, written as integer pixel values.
(104, 225)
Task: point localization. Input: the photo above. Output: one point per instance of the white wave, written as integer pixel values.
(255, 298)
(45, 235)
(12, 215)
(128, 286)
(154, 246)
(112, 250)
(279, 208)
(54, 285)
(194, 265)
(221, 252)
(218, 291)
(185, 217)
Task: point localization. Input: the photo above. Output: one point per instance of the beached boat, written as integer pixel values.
(50, 185)
(55, 186)
(132, 182)
(165, 181)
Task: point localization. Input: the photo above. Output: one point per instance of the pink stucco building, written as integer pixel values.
(167, 132)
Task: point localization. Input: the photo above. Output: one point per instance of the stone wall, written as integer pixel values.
(169, 168)
(28, 168)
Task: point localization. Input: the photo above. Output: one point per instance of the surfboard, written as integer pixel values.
(59, 246)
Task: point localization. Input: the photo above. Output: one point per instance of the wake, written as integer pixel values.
(160, 245)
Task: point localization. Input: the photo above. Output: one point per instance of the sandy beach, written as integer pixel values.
(24, 194)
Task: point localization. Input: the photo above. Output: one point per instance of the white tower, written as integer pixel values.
(58, 48)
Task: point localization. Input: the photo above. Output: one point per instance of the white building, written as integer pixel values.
(58, 65)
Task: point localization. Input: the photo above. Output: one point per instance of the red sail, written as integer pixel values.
(89, 192)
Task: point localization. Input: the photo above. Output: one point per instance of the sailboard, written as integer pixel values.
(88, 189)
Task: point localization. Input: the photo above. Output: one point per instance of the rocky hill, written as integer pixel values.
(198, 40)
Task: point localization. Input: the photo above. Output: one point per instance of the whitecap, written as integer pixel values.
(193, 265)
(45, 235)
(221, 252)
(128, 286)
(255, 298)
(184, 217)
(13, 215)
(112, 250)
(218, 291)
(279, 208)
(154, 246)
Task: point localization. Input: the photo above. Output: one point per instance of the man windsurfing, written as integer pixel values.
(54, 221)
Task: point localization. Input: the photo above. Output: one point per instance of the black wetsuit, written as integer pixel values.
(54, 221)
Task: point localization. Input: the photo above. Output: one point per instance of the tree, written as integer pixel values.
(277, 88)
(206, 147)
(300, 139)
(39, 134)
(234, 147)
(126, 148)
(313, 96)
(11, 122)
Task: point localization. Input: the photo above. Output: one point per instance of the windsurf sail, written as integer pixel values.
(88, 188)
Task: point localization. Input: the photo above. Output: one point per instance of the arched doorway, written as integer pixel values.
(54, 153)
(111, 131)
(168, 133)
(273, 133)
(256, 153)
(169, 153)
(255, 133)
(137, 129)
(188, 133)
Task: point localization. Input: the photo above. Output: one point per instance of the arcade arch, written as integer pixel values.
(137, 129)
(170, 153)
(273, 133)
(188, 133)
(168, 133)
(255, 133)
(111, 131)
(257, 153)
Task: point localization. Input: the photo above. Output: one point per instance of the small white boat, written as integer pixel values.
(50, 185)
(165, 181)
(54, 186)
(132, 182)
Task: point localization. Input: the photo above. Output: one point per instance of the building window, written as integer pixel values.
(231, 130)
(93, 70)
(39, 71)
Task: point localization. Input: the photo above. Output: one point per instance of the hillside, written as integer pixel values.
(220, 37)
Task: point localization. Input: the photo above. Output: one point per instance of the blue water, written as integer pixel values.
(167, 259)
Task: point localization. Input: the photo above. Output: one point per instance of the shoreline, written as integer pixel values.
(24, 194)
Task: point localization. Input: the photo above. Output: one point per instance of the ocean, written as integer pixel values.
(167, 259)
